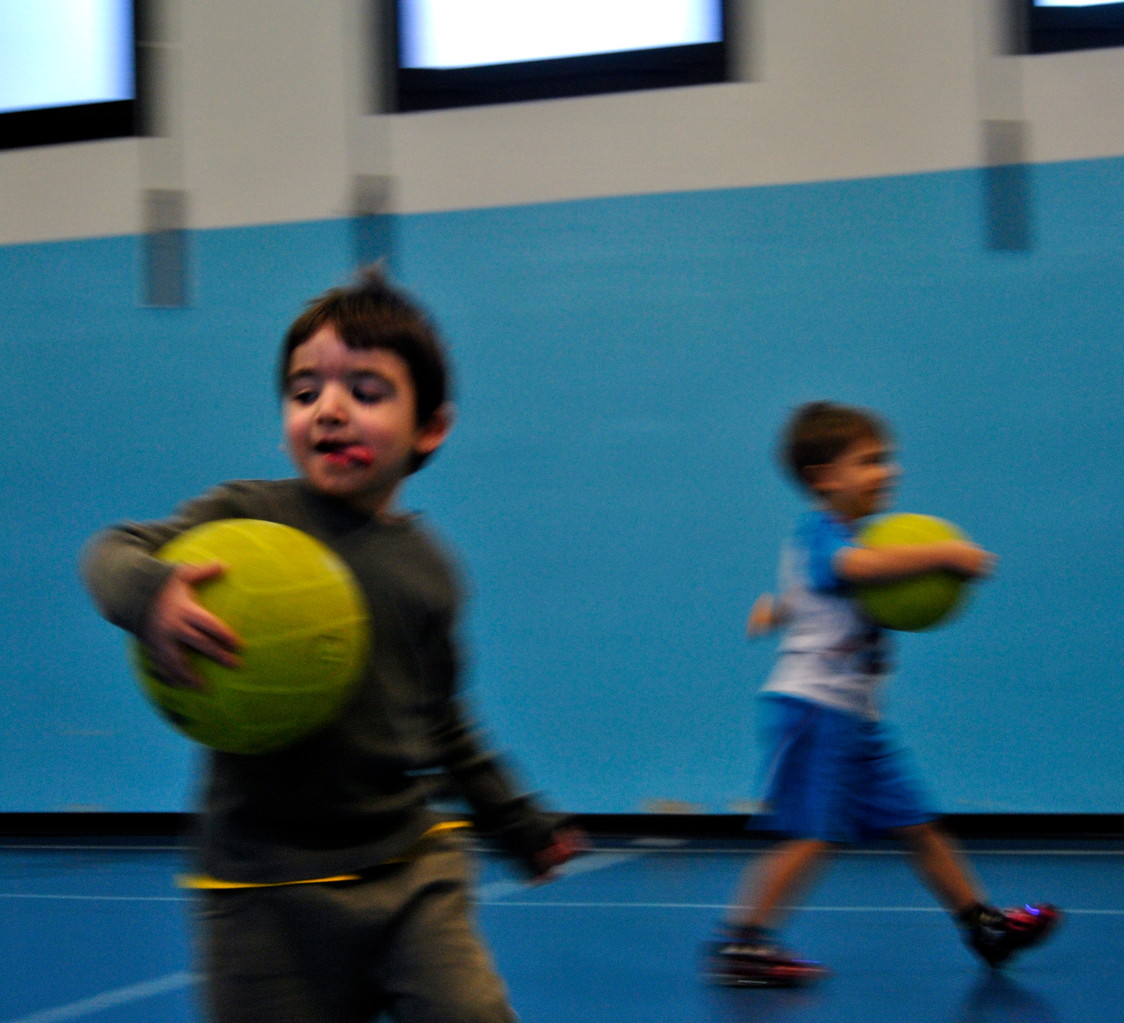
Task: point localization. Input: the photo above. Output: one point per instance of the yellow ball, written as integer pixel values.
(919, 602)
(302, 619)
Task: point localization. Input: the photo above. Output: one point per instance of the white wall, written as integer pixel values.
(265, 108)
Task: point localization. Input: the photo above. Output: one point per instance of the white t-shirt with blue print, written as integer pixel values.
(830, 652)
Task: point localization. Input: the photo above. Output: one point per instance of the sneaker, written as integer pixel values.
(757, 962)
(996, 935)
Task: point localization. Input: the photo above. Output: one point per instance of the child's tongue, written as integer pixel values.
(350, 454)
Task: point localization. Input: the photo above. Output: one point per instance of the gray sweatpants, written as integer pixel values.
(401, 941)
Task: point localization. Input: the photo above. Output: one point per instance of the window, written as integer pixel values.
(450, 53)
(68, 71)
(1056, 25)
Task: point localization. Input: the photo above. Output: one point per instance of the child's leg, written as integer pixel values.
(775, 882)
(943, 868)
(994, 934)
(803, 798)
(253, 970)
(435, 967)
(746, 953)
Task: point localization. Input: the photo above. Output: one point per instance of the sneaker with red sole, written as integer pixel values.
(757, 962)
(996, 935)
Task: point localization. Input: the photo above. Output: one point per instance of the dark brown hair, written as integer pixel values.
(820, 431)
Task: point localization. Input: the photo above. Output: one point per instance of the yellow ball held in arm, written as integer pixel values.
(919, 602)
(304, 624)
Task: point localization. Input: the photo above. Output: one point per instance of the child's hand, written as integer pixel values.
(902, 561)
(765, 615)
(177, 620)
(567, 843)
(968, 559)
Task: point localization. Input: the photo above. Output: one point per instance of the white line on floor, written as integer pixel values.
(95, 898)
(558, 904)
(109, 999)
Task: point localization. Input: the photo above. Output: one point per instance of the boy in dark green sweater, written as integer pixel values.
(329, 890)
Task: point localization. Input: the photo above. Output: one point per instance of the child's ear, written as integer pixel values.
(818, 477)
(432, 434)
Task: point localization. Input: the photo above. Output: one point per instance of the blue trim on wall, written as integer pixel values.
(623, 368)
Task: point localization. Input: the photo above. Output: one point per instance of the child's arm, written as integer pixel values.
(155, 600)
(567, 843)
(177, 622)
(899, 561)
(541, 841)
(767, 614)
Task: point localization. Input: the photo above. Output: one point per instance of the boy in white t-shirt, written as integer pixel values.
(833, 774)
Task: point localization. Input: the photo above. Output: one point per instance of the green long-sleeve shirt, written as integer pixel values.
(355, 794)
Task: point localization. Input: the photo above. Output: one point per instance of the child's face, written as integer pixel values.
(860, 482)
(350, 421)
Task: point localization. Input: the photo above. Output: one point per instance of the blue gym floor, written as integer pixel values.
(97, 931)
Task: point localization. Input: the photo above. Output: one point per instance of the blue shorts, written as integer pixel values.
(834, 776)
